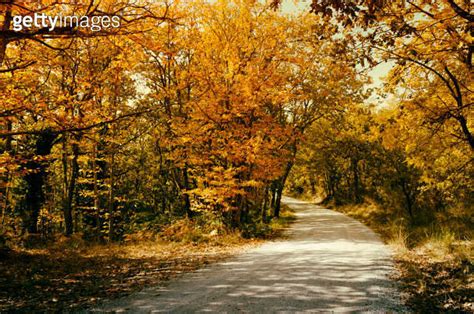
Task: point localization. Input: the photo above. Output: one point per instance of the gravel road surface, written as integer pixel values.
(328, 263)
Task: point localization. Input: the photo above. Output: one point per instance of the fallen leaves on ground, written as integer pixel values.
(59, 279)
(432, 286)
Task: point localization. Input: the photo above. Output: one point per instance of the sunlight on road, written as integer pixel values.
(329, 262)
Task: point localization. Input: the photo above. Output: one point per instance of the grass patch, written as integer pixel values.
(435, 261)
(281, 224)
(274, 229)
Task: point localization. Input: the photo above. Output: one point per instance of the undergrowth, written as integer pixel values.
(213, 230)
(434, 258)
(68, 273)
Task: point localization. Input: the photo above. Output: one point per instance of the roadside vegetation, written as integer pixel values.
(434, 260)
(70, 273)
(424, 211)
(194, 123)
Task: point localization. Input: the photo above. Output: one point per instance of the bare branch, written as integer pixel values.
(464, 14)
(17, 67)
(77, 129)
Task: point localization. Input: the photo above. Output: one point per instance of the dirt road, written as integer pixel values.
(329, 262)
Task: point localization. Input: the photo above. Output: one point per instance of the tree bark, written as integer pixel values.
(68, 221)
(357, 192)
(265, 205)
(465, 129)
(280, 187)
(187, 201)
(36, 178)
(111, 195)
(408, 199)
(273, 195)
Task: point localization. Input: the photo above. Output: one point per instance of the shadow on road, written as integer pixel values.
(329, 262)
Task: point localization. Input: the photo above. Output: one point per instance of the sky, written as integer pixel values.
(291, 6)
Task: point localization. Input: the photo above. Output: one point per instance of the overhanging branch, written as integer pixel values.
(77, 129)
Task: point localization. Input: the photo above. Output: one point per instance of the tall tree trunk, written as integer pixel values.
(36, 178)
(280, 187)
(96, 191)
(111, 195)
(279, 192)
(8, 177)
(355, 171)
(273, 194)
(408, 199)
(64, 159)
(67, 211)
(187, 201)
(243, 208)
(8, 140)
(312, 184)
(265, 205)
(6, 203)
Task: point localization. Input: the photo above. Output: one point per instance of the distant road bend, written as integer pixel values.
(329, 262)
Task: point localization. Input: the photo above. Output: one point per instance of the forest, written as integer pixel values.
(191, 119)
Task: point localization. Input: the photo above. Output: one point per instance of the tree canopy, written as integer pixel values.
(208, 108)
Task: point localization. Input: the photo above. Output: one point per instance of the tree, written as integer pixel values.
(431, 43)
(65, 94)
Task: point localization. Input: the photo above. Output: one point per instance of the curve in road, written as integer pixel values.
(328, 262)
